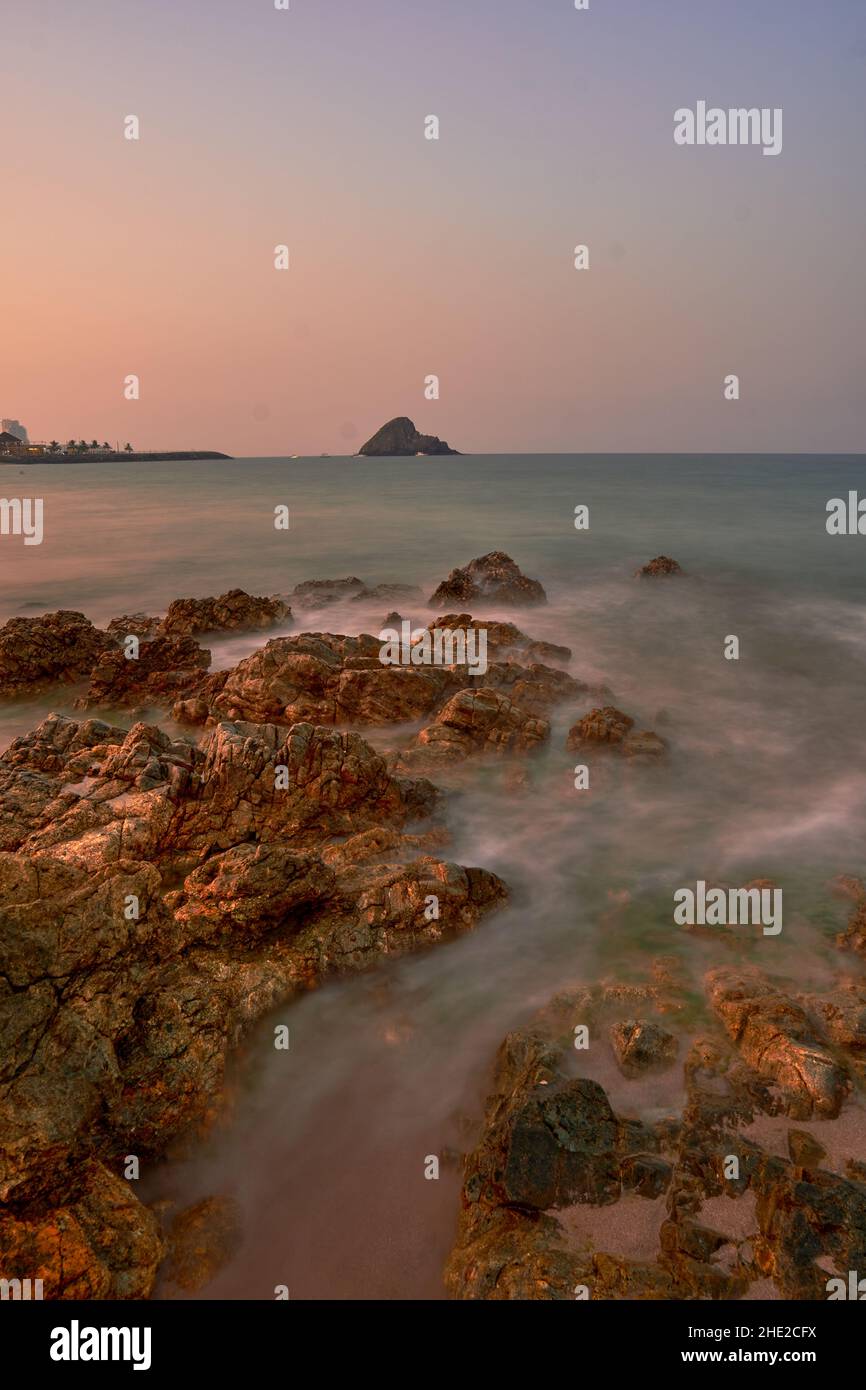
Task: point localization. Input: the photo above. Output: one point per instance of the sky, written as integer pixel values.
(411, 257)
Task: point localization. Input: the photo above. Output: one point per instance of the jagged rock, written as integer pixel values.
(400, 439)
(661, 565)
(551, 1149)
(777, 1038)
(234, 611)
(609, 727)
(474, 721)
(101, 1243)
(56, 649)
(136, 625)
(640, 1046)
(147, 924)
(331, 679)
(504, 639)
(164, 670)
(493, 578)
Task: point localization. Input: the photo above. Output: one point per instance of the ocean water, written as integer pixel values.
(766, 777)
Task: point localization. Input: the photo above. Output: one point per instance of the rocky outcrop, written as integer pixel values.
(400, 439)
(158, 898)
(234, 611)
(661, 565)
(691, 1206)
(641, 1046)
(608, 727)
(38, 653)
(330, 679)
(164, 670)
(778, 1040)
(473, 721)
(139, 625)
(504, 640)
(493, 578)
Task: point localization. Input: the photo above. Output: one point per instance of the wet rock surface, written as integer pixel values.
(608, 728)
(157, 898)
(691, 1205)
(493, 578)
(38, 653)
(660, 566)
(234, 611)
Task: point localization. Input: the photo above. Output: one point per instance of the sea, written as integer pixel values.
(326, 1145)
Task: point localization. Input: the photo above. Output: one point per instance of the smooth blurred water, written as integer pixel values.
(766, 776)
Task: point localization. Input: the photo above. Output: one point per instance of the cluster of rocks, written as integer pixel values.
(158, 898)
(159, 895)
(690, 1206)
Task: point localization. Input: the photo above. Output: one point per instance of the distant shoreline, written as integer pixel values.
(122, 457)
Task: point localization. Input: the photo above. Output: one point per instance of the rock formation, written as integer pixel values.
(493, 578)
(707, 1211)
(661, 565)
(400, 439)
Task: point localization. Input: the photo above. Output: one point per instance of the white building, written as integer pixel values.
(14, 427)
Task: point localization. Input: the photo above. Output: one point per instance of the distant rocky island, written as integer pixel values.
(400, 439)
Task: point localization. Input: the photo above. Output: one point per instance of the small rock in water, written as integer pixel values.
(662, 564)
(640, 1046)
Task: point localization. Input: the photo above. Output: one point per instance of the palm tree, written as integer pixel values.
(94, 443)
(70, 446)
(106, 446)
(82, 446)
(53, 447)
(128, 448)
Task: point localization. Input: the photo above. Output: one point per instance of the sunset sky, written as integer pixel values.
(411, 257)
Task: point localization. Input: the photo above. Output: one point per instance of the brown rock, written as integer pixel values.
(640, 1046)
(164, 670)
(661, 565)
(493, 578)
(234, 611)
(38, 653)
(776, 1037)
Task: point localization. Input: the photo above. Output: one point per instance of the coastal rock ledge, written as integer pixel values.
(400, 439)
